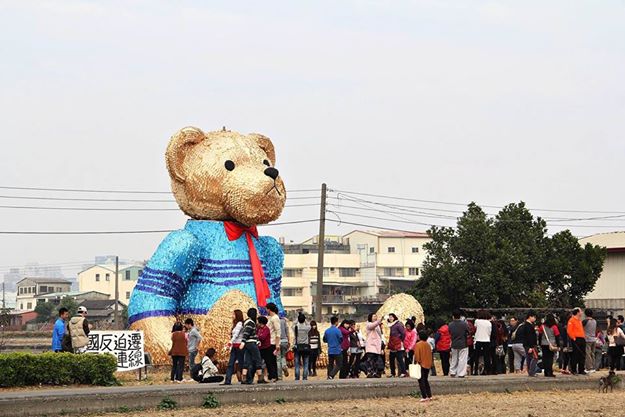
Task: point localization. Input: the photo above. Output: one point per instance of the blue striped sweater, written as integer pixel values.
(194, 267)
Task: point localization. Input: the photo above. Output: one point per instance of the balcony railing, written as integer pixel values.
(352, 299)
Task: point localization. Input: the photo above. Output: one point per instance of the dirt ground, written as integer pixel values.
(522, 404)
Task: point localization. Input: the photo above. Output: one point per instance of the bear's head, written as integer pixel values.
(224, 175)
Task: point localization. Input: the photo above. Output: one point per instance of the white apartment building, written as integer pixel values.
(609, 291)
(101, 278)
(28, 289)
(361, 270)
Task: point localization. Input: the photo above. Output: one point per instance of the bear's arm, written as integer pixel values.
(164, 280)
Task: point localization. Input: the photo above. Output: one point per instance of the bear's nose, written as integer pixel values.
(272, 172)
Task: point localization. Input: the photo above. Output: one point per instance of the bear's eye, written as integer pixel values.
(229, 165)
(266, 162)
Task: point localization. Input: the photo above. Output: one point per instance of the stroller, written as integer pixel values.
(372, 365)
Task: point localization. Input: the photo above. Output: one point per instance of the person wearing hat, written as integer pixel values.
(78, 329)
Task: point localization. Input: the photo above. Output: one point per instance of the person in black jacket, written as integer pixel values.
(249, 343)
(527, 333)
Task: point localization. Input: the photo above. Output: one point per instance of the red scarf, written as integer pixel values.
(234, 231)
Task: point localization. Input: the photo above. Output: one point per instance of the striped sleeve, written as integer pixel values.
(164, 279)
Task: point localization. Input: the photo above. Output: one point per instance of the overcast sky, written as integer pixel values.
(491, 101)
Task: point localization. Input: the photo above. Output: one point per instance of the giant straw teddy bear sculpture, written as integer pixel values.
(227, 183)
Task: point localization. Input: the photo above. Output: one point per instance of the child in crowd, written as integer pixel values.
(423, 357)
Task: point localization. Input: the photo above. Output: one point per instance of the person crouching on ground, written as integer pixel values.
(178, 352)
(423, 357)
(207, 371)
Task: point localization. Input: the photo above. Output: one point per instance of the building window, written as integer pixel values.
(391, 249)
(348, 272)
(415, 250)
(127, 275)
(107, 277)
(29, 306)
(140, 272)
(30, 290)
(292, 292)
(59, 289)
(97, 277)
(413, 271)
(292, 272)
(21, 306)
(20, 290)
(371, 249)
(43, 289)
(127, 295)
(393, 272)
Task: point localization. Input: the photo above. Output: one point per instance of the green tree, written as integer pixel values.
(505, 261)
(70, 304)
(45, 312)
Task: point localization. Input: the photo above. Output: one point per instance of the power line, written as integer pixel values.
(117, 208)
(465, 204)
(79, 190)
(119, 232)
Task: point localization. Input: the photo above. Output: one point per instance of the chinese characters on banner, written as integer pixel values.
(126, 345)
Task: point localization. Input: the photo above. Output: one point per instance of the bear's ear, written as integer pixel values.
(177, 149)
(265, 144)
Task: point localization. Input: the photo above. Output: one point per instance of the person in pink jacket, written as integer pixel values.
(374, 335)
(410, 340)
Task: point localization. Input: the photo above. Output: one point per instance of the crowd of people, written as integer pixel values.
(261, 346)
(489, 345)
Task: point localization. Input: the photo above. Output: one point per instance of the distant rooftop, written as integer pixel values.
(41, 280)
(613, 241)
(67, 294)
(392, 233)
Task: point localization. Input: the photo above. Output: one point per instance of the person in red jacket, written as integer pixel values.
(443, 347)
(264, 339)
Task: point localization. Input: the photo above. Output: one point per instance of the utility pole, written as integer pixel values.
(117, 293)
(322, 238)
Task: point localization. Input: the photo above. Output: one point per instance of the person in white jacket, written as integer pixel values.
(207, 372)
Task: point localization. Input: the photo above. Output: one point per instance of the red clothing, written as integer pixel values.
(444, 341)
(345, 342)
(575, 329)
(264, 337)
(471, 333)
(555, 329)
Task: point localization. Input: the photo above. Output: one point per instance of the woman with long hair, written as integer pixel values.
(314, 338)
(549, 343)
(346, 330)
(615, 352)
(301, 339)
(236, 354)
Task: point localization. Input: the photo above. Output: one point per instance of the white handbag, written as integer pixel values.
(414, 370)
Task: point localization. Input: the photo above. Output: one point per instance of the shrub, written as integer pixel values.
(210, 401)
(23, 369)
(167, 404)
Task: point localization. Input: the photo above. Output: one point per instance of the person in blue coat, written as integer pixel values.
(59, 330)
(333, 338)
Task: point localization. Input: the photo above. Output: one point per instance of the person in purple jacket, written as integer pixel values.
(346, 330)
(396, 346)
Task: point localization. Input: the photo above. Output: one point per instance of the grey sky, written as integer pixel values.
(492, 101)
